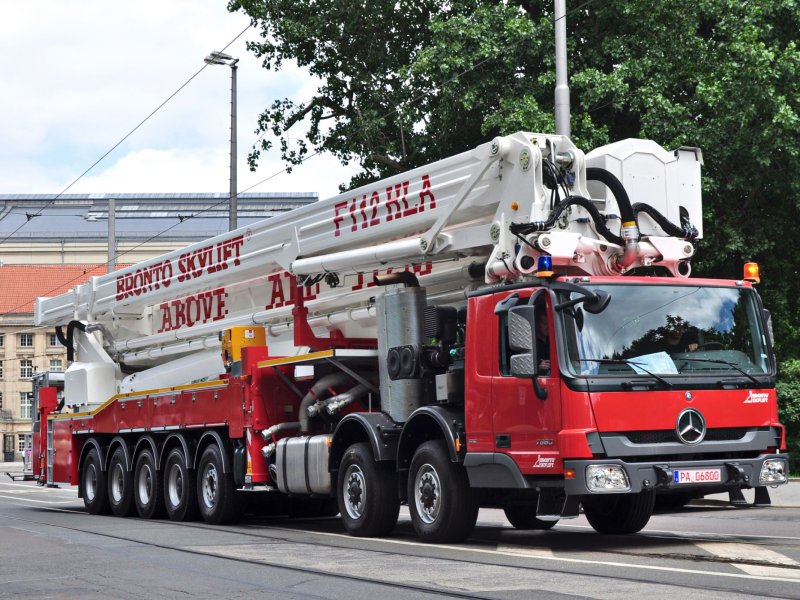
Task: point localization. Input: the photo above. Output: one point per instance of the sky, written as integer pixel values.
(76, 76)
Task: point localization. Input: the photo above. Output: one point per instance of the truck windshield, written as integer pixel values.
(668, 330)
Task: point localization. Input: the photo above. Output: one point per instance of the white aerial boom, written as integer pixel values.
(478, 217)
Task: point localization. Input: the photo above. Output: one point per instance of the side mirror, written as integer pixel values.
(597, 303)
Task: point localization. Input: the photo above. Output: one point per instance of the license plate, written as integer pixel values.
(681, 476)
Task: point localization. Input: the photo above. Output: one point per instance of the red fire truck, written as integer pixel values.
(512, 327)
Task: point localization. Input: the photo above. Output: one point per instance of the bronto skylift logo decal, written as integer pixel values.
(757, 398)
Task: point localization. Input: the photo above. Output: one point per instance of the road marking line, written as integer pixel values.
(684, 534)
(770, 572)
(525, 551)
(17, 498)
(749, 552)
(579, 561)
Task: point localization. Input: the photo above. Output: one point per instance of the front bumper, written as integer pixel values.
(659, 475)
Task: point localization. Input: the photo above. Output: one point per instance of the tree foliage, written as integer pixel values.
(406, 82)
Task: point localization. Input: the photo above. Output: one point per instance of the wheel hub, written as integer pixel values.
(175, 485)
(210, 483)
(145, 485)
(355, 492)
(427, 494)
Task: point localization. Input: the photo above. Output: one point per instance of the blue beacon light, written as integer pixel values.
(544, 266)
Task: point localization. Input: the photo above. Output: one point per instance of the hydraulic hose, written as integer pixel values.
(597, 218)
(320, 387)
(67, 340)
(686, 230)
(615, 185)
(630, 230)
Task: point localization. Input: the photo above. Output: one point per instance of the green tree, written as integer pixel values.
(408, 82)
(789, 407)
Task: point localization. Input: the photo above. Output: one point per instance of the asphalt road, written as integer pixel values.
(50, 548)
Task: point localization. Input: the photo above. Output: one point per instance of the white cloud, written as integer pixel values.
(78, 75)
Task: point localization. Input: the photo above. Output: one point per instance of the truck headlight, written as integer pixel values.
(607, 478)
(773, 471)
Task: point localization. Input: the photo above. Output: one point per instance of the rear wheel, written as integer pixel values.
(180, 497)
(523, 516)
(216, 492)
(367, 493)
(147, 493)
(93, 484)
(443, 507)
(120, 485)
(619, 513)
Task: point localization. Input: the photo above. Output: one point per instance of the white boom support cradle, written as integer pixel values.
(437, 220)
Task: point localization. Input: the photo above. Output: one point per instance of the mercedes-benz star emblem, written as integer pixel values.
(691, 427)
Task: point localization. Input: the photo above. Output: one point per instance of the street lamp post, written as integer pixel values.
(112, 235)
(218, 58)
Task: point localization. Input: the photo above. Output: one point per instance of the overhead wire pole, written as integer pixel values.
(562, 84)
(219, 58)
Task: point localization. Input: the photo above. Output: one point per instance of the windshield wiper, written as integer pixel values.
(719, 361)
(630, 363)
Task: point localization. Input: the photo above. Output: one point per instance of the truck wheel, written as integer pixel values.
(120, 485)
(619, 513)
(443, 507)
(147, 487)
(523, 516)
(215, 489)
(367, 493)
(93, 484)
(180, 497)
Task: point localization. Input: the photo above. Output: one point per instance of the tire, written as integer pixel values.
(216, 493)
(619, 513)
(523, 516)
(147, 493)
(367, 493)
(93, 484)
(442, 505)
(180, 495)
(120, 485)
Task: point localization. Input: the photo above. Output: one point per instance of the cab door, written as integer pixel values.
(525, 426)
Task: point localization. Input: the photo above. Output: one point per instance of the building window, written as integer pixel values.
(1, 369)
(55, 365)
(25, 404)
(1, 400)
(26, 369)
(52, 340)
(2, 340)
(21, 444)
(25, 340)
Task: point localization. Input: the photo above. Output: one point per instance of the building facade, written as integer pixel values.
(25, 349)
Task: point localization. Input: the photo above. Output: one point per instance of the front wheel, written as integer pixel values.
(619, 513)
(215, 489)
(367, 493)
(443, 507)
